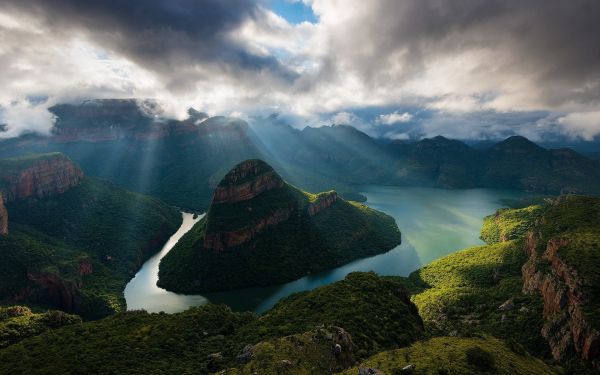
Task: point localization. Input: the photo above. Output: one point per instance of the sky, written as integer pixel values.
(398, 69)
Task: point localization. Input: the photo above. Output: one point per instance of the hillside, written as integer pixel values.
(211, 338)
(260, 230)
(73, 241)
(181, 162)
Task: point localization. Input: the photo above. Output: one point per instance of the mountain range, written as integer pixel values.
(181, 162)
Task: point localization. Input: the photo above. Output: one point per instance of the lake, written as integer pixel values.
(433, 222)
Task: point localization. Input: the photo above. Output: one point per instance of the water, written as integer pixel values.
(433, 222)
(142, 293)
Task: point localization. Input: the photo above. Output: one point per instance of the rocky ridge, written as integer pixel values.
(566, 292)
(40, 177)
(245, 181)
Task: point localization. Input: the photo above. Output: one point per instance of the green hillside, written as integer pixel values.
(300, 244)
(209, 338)
(77, 250)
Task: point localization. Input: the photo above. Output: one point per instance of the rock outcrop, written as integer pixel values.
(42, 176)
(322, 202)
(219, 241)
(247, 180)
(565, 298)
(3, 217)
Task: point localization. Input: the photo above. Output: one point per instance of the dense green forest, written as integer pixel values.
(301, 244)
(77, 250)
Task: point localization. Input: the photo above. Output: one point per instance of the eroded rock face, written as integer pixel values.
(3, 217)
(44, 177)
(247, 180)
(220, 241)
(324, 201)
(564, 296)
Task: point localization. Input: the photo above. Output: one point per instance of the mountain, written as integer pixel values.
(521, 304)
(260, 230)
(362, 314)
(72, 242)
(181, 162)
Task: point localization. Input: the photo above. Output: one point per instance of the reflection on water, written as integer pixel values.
(142, 293)
(433, 222)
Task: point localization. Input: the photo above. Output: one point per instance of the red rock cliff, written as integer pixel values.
(247, 180)
(566, 326)
(324, 201)
(220, 241)
(3, 217)
(43, 177)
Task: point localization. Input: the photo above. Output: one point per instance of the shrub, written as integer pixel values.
(480, 358)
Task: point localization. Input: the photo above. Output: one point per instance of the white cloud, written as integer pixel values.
(584, 125)
(393, 118)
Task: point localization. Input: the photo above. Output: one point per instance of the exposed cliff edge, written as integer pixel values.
(74, 241)
(37, 176)
(260, 230)
(563, 250)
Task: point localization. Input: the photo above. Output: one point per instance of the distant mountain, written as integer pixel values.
(260, 231)
(181, 162)
(72, 242)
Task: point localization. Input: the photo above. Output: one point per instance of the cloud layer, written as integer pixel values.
(461, 68)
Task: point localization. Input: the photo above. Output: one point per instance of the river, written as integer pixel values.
(433, 222)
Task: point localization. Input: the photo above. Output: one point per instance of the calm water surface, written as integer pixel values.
(433, 222)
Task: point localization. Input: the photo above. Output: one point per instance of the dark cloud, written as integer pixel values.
(173, 38)
(552, 44)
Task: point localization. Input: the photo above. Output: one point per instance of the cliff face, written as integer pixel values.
(243, 183)
(247, 180)
(46, 176)
(3, 217)
(220, 241)
(323, 201)
(566, 297)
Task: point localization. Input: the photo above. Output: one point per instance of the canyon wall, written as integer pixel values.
(246, 181)
(567, 328)
(45, 176)
(324, 201)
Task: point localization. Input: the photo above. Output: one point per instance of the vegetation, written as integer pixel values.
(509, 224)
(19, 322)
(457, 356)
(301, 245)
(460, 294)
(77, 250)
(208, 338)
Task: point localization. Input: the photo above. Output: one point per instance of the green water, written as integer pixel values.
(433, 222)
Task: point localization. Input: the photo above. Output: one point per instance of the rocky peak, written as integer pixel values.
(245, 181)
(3, 217)
(37, 176)
(322, 202)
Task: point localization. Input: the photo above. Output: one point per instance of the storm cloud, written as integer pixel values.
(486, 63)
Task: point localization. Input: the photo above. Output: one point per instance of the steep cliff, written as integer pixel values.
(37, 176)
(564, 257)
(74, 241)
(261, 231)
(3, 217)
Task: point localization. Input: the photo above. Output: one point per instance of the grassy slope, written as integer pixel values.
(448, 355)
(19, 322)
(297, 247)
(461, 293)
(113, 228)
(138, 342)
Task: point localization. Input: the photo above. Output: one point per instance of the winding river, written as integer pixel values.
(433, 222)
